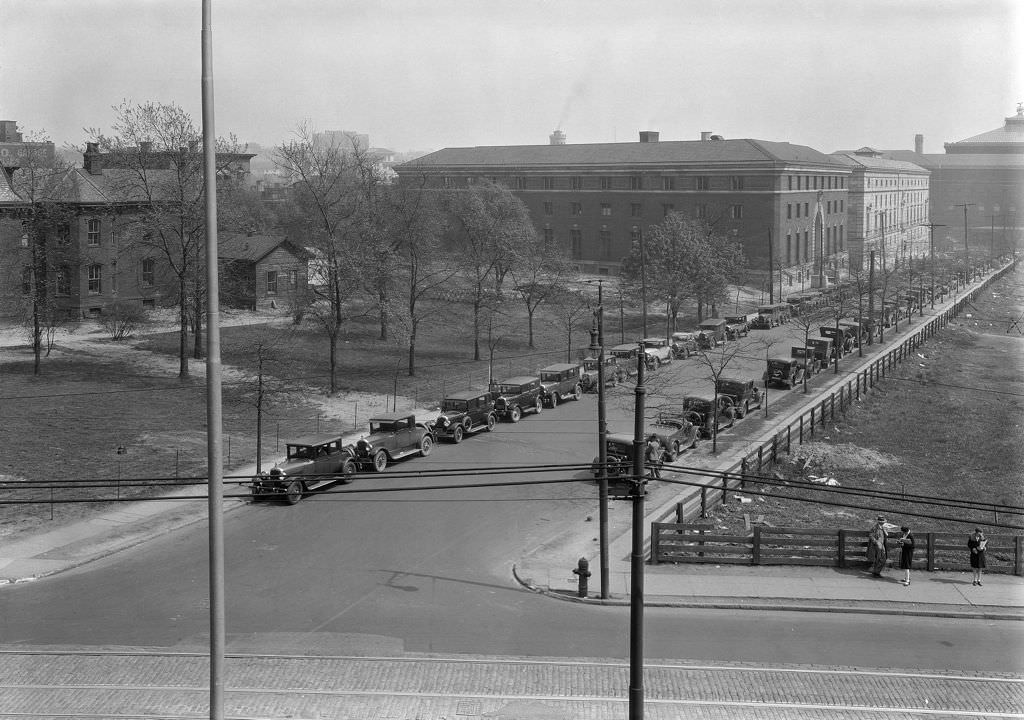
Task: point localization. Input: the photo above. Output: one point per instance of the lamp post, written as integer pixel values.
(636, 565)
(967, 250)
(931, 249)
(597, 346)
(643, 286)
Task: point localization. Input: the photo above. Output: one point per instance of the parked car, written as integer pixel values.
(658, 351)
(807, 360)
(745, 394)
(517, 395)
(464, 413)
(783, 372)
(708, 417)
(675, 433)
(841, 339)
(560, 381)
(613, 374)
(684, 344)
(713, 329)
(393, 436)
(736, 326)
(310, 463)
(626, 354)
(824, 350)
(769, 316)
(619, 453)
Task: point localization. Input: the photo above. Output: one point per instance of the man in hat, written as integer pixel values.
(877, 551)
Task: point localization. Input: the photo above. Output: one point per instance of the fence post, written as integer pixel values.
(680, 513)
(842, 548)
(760, 459)
(775, 448)
(703, 501)
(725, 488)
(743, 470)
(801, 429)
(789, 438)
(930, 555)
(756, 549)
(1018, 555)
(812, 421)
(832, 405)
(655, 550)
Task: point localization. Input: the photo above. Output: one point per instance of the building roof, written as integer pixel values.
(697, 152)
(241, 246)
(876, 162)
(939, 161)
(1009, 137)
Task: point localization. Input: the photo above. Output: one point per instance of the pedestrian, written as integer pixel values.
(906, 543)
(878, 553)
(654, 455)
(976, 544)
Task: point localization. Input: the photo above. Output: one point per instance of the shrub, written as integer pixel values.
(122, 319)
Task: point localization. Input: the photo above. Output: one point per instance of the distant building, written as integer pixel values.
(888, 205)
(261, 272)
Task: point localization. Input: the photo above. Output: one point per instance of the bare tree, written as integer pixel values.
(569, 306)
(538, 275)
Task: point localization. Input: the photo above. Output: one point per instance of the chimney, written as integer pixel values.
(557, 138)
(919, 144)
(648, 136)
(705, 135)
(92, 160)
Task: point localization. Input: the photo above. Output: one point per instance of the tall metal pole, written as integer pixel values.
(636, 565)
(597, 345)
(643, 287)
(931, 251)
(871, 297)
(215, 493)
(967, 250)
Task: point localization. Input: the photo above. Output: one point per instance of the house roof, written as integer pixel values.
(875, 162)
(698, 152)
(240, 246)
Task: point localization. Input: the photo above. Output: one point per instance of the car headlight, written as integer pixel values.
(445, 422)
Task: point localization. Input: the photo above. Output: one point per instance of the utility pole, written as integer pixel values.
(643, 286)
(597, 346)
(871, 297)
(967, 250)
(636, 565)
(931, 248)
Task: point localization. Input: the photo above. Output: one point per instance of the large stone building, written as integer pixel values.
(598, 199)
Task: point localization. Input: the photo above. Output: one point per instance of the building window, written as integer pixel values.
(840, 237)
(798, 210)
(790, 178)
(736, 211)
(666, 208)
(271, 282)
(549, 183)
(703, 182)
(806, 214)
(789, 211)
(636, 210)
(63, 233)
(448, 182)
(842, 206)
(606, 183)
(815, 182)
(606, 209)
(805, 245)
(549, 237)
(606, 244)
(519, 182)
(702, 211)
(576, 208)
(668, 183)
(635, 235)
(148, 272)
(636, 182)
(577, 182)
(789, 248)
(576, 239)
(95, 279)
(93, 237)
(549, 208)
(63, 281)
(736, 182)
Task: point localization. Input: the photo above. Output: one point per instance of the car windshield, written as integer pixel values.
(550, 376)
(653, 343)
(303, 452)
(730, 388)
(509, 389)
(382, 426)
(590, 364)
(620, 448)
(695, 404)
(454, 405)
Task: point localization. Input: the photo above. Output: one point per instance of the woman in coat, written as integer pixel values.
(906, 543)
(877, 551)
(976, 544)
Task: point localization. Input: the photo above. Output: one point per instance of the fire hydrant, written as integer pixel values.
(582, 570)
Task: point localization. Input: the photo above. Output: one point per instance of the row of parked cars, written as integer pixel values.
(316, 461)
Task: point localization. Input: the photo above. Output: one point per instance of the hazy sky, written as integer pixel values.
(832, 74)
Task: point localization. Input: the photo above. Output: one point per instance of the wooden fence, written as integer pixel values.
(700, 543)
(812, 420)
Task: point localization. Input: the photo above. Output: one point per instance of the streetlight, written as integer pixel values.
(597, 346)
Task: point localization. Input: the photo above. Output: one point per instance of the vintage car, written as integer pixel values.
(823, 349)
(856, 330)
(613, 374)
(658, 351)
(625, 355)
(842, 340)
(768, 316)
(464, 413)
(745, 394)
(783, 372)
(736, 326)
(393, 436)
(310, 463)
(807, 359)
(713, 331)
(517, 395)
(675, 433)
(709, 419)
(560, 382)
(684, 344)
(619, 453)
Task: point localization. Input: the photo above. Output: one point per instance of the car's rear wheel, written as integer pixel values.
(293, 493)
(675, 451)
(427, 444)
(490, 422)
(380, 461)
(457, 434)
(577, 392)
(515, 415)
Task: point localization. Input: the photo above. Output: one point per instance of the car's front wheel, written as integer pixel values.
(577, 392)
(348, 469)
(457, 434)
(427, 444)
(293, 493)
(515, 415)
(539, 406)
(380, 461)
(490, 422)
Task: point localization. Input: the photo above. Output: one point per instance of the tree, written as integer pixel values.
(329, 203)
(154, 159)
(489, 222)
(805, 323)
(48, 256)
(538, 274)
(569, 306)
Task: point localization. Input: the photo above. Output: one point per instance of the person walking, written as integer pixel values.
(655, 454)
(878, 553)
(906, 543)
(976, 544)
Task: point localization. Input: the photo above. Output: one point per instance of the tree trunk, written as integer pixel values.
(197, 326)
(334, 360)
(412, 346)
(182, 329)
(476, 329)
(529, 323)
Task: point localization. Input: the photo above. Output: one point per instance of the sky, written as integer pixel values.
(423, 75)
